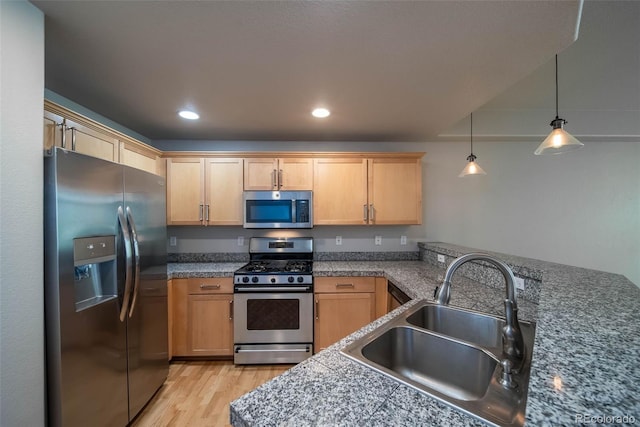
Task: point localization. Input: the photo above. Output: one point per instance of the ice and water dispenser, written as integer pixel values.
(94, 261)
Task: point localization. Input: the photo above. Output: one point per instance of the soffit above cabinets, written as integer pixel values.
(254, 70)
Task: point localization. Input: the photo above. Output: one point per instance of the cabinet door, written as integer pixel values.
(185, 191)
(337, 315)
(210, 325)
(139, 158)
(223, 191)
(340, 191)
(260, 174)
(178, 293)
(52, 130)
(295, 174)
(395, 191)
(91, 142)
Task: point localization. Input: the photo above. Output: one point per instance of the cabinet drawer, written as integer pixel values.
(344, 284)
(210, 285)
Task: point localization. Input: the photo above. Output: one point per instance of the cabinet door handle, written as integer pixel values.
(63, 127)
(365, 213)
(273, 179)
(231, 310)
(73, 139)
(317, 310)
(280, 179)
(372, 213)
(203, 286)
(201, 212)
(344, 285)
(206, 215)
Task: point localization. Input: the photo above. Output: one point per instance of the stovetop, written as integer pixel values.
(277, 267)
(277, 262)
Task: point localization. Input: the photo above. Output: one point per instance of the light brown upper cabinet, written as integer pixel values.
(278, 174)
(72, 135)
(141, 157)
(380, 190)
(204, 191)
(67, 129)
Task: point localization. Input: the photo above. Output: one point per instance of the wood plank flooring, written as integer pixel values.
(198, 393)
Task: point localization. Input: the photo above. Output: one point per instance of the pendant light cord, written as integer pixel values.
(471, 134)
(557, 87)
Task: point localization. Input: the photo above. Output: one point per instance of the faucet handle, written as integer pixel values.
(506, 378)
(435, 292)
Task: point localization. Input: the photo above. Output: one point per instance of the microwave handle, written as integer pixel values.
(294, 213)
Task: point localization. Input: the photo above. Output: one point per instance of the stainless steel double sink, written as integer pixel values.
(452, 355)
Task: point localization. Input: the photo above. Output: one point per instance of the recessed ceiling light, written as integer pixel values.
(321, 113)
(189, 115)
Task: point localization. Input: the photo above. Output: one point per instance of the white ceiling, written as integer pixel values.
(388, 70)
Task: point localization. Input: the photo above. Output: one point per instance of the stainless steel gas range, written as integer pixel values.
(273, 299)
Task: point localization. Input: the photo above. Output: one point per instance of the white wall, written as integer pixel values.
(21, 276)
(580, 208)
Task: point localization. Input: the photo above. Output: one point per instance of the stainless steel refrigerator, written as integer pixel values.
(105, 289)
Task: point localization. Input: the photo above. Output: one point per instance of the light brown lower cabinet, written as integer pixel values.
(342, 306)
(202, 317)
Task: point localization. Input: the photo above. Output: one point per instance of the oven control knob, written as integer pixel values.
(300, 279)
(245, 279)
(290, 279)
(273, 280)
(254, 279)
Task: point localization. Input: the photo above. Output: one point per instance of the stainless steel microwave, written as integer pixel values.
(278, 209)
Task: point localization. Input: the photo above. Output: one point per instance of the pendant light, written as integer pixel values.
(559, 140)
(472, 167)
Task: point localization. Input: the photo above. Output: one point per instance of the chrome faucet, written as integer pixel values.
(512, 341)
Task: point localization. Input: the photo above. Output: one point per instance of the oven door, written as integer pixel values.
(273, 317)
(273, 327)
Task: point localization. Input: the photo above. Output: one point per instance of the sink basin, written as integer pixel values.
(451, 355)
(477, 328)
(457, 370)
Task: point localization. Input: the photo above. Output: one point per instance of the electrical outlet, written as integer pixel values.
(440, 258)
(378, 240)
(403, 240)
(173, 241)
(338, 240)
(520, 283)
(240, 240)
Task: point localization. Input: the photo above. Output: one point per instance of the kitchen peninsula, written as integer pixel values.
(581, 316)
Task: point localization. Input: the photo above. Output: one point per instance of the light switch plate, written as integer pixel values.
(440, 258)
(173, 241)
(378, 240)
(520, 283)
(403, 240)
(338, 240)
(240, 240)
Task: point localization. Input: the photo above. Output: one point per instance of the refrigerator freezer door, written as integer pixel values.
(86, 349)
(145, 205)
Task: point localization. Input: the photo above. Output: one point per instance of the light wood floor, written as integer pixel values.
(198, 393)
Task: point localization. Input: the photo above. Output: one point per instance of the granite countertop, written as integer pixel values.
(586, 354)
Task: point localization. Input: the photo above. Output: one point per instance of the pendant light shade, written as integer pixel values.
(559, 140)
(472, 168)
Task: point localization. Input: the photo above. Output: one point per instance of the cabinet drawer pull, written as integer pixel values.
(344, 285)
(203, 286)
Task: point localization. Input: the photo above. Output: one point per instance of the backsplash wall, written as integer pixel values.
(194, 239)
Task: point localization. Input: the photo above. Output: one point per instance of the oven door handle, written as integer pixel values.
(274, 289)
(239, 349)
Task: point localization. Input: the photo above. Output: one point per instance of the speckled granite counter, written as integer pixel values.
(586, 359)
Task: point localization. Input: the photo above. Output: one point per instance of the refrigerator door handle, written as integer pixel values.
(128, 263)
(136, 257)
